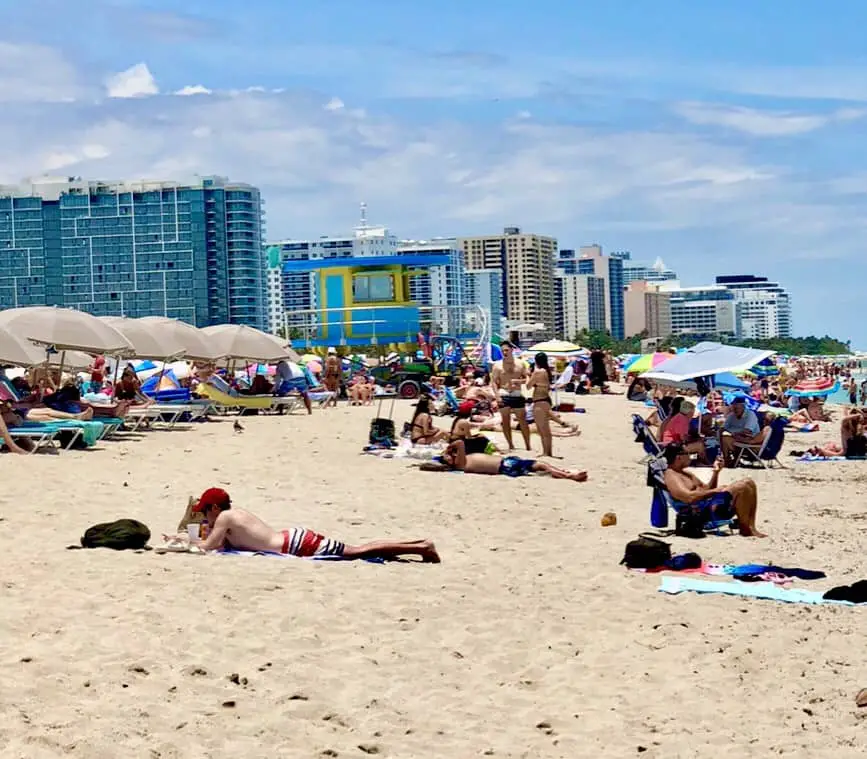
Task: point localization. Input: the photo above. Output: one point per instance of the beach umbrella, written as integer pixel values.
(65, 329)
(645, 362)
(238, 341)
(19, 351)
(766, 368)
(197, 346)
(705, 361)
(73, 360)
(814, 388)
(307, 358)
(146, 341)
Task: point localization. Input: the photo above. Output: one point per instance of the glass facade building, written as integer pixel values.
(187, 251)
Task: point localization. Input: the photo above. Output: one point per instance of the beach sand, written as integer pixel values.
(527, 641)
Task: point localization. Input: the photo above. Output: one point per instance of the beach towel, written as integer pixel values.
(764, 590)
(809, 458)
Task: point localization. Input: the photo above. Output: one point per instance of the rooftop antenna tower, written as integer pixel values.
(363, 215)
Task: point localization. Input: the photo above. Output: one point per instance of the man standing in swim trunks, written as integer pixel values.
(456, 457)
(243, 531)
(684, 487)
(507, 379)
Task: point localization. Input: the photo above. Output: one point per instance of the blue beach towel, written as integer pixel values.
(674, 584)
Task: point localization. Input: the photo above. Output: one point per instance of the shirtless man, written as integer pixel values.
(687, 489)
(239, 529)
(507, 378)
(456, 457)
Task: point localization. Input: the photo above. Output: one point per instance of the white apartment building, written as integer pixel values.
(763, 309)
(581, 303)
(707, 310)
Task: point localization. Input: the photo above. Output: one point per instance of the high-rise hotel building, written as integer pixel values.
(527, 263)
(191, 251)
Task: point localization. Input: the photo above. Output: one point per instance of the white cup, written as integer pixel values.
(193, 531)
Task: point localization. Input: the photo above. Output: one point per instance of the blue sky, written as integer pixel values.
(724, 137)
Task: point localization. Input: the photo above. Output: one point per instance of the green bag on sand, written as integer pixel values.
(123, 534)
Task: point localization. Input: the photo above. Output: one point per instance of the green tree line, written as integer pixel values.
(792, 346)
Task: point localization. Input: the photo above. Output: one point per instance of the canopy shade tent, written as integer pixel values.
(65, 329)
(557, 348)
(723, 381)
(238, 341)
(146, 341)
(19, 351)
(196, 344)
(705, 361)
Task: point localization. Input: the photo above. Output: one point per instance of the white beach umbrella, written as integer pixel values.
(197, 346)
(238, 341)
(18, 351)
(146, 341)
(65, 329)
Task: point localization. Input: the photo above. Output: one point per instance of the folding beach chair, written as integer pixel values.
(41, 436)
(645, 436)
(767, 454)
(662, 502)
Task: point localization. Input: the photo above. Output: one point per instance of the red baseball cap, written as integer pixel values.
(213, 497)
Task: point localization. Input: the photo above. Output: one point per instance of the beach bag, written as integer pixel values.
(856, 447)
(646, 552)
(689, 523)
(382, 428)
(121, 535)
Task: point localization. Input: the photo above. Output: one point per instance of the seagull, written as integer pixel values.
(238, 426)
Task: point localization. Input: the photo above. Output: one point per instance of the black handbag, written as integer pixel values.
(646, 552)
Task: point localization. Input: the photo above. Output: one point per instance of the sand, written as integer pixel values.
(528, 641)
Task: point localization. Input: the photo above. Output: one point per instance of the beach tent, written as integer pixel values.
(167, 380)
(706, 361)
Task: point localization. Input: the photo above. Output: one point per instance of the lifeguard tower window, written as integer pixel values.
(367, 288)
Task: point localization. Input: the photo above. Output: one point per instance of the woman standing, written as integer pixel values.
(540, 384)
(333, 375)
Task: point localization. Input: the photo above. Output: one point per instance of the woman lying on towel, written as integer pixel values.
(240, 530)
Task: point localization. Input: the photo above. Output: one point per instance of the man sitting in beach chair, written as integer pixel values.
(240, 530)
(741, 427)
(687, 490)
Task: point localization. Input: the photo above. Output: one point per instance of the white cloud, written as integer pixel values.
(193, 89)
(135, 82)
(762, 123)
(335, 104)
(32, 73)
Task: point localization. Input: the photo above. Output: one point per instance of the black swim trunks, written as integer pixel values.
(513, 401)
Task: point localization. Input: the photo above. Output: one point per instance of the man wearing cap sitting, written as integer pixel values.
(243, 531)
(714, 502)
(741, 426)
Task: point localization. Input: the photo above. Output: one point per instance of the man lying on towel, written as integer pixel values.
(686, 489)
(456, 457)
(240, 530)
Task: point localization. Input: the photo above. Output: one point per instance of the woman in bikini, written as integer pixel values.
(540, 384)
(422, 430)
(462, 429)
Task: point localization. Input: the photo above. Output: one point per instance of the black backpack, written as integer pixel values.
(124, 534)
(646, 552)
